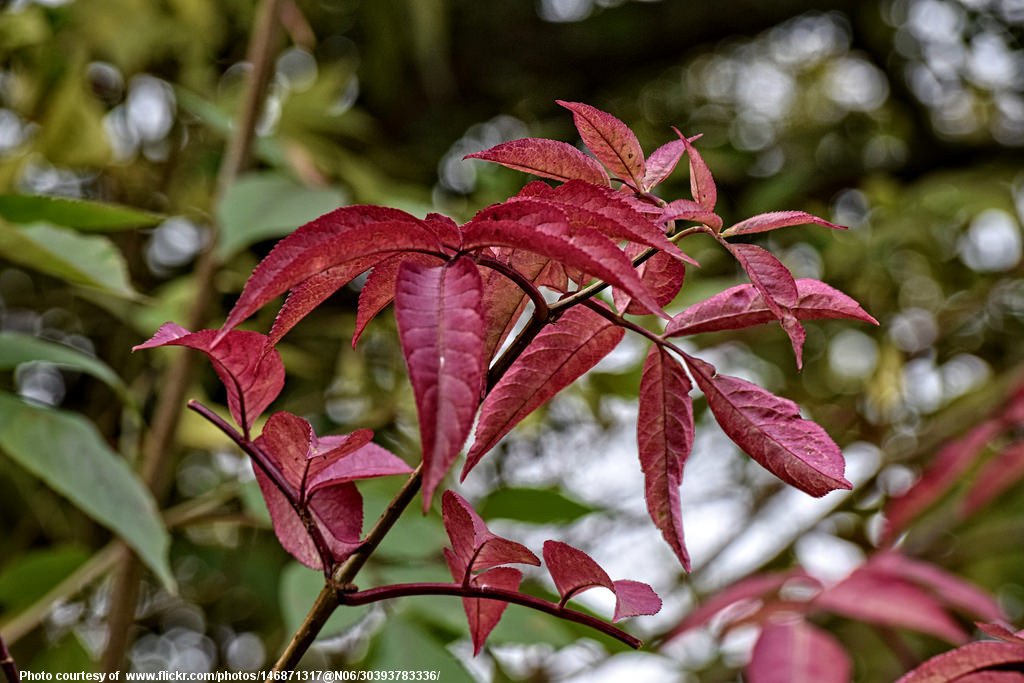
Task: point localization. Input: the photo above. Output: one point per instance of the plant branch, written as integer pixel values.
(406, 589)
(537, 322)
(598, 286)
(326, 601)
(539, 302)
(277, 478)
(7, 663)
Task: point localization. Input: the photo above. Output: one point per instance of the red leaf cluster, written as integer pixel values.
(320, 472)
(459, 293)
(477, 558)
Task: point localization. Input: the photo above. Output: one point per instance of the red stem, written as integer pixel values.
(539, 302)
(400, 590)
(7, 663)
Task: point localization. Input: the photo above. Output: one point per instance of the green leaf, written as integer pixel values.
(67, 654)
(66, 452)
(404, 643)
(537, 506)
(27, 578)
(260, 206)
(73, 213)
(87, 260)
(17, 348)
(299, 589)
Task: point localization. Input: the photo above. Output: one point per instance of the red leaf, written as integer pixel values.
(662, 162)
(664, 434)
(545, 158)
(702, 183)
(743, 306)
(482, 614)
(999, 474)
(754, 587)
(686, 210)
(474, 546)
(336, 238)
(574, 572)
(948, 467)
(663, 275)
(778, 289)
(379, 289)
(949, 588)
(959, 663)
(793, 651)
(544, 229)
(770, 430)
(608, 212)
(889, 601)
(321, 472)
(1001, 632)
(634, 599)
(611, 141)
(366, 462)
(554, 360)
(777, 219)
(313, 291)
(446, 230)
(248, 366)
(441, 328)
(337, 511)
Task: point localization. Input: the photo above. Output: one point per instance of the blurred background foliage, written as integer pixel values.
(902, 119)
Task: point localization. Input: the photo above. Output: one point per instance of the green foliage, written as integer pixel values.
(259, 206)
(74, 213)
(67, 452)
(17, 348)
(87, 260)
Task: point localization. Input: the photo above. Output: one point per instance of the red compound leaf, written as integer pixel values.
(334, 239)
(744, 306)
(777, 219)
(970, 663)
(474, 547)
(320, 472)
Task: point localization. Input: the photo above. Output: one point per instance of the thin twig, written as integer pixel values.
(399, 590)
(326, 602)
(7, 663)
(539, 302)
(156, 463)
(598, 286)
